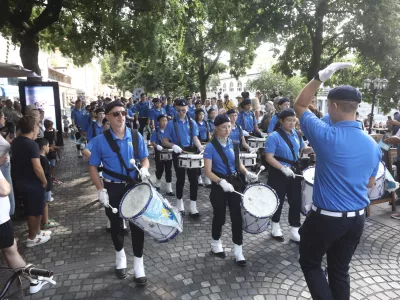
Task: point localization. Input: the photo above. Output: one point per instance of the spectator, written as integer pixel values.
(228, 104)
(207, 106)
(18, 112)
(220, 106)
(11, 116)
(29, 178)
(256, 108)
(33, 112)
(50, 135)
(214, 103)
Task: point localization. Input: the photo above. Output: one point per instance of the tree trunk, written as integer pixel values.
(29, 53)
(202, 81)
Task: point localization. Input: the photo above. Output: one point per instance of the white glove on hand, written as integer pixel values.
(226, 186)
(245, 133)
(251, 177)
(327, 73)
(287, 171)
(177, 149)
(252, 150)
(144, 173)
(159, 148)
(103, 197)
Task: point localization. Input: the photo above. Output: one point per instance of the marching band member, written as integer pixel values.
(97, 127)
(78, 117)
(118, 177)
(156, 111)
(223, 166)
(247, 120)
(283, 103)
(204, 137)
(236, 134)
(211, 117)
(169, 108)
(282, 153)
(142, 110)
(347, 164)
(156, 142)
(183, 132)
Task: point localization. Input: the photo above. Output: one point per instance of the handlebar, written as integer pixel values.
(31, 271)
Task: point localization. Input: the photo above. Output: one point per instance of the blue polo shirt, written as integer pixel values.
(235, 134)
(276, 145)
(154, 113)
(168, 108)
(247, 120)
(346, 158)
(217, 164)
(157, 136)
(211, 126)
(326, 119)
(172, 112)
(202, 131)
(271, 126)
(183, 131)
(142, 108)
(87, 122)
(191, 110)
(102, 153)
(79, 117)
(98, 130)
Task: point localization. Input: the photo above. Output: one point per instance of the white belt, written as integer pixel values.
(338, 214)
(113, 181)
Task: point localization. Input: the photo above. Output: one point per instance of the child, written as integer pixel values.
(44, 150)
(147, 132)
(50, 135)
(66, 125)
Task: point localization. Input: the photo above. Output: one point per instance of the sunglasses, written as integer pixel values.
(118, 113)
(181, 110)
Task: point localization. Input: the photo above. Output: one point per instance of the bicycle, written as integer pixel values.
(12, 289)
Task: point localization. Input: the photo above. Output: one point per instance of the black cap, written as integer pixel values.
(283, 100)
(197, 102)
(198, 110)
(156, 100)
(99, 109)
(288, 112)
(161, 116)
(221, 119)
(231, 111)
(211, 110)
(113, 104)
(245, 95)
(345, 92)
(245, 102)
(181, 102)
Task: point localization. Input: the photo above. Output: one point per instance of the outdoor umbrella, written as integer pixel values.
(8, 70)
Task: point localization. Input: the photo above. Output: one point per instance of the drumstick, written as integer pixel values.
(114, 210)
(132, 161)
(297, 175)
(242, 195)
(262, 168)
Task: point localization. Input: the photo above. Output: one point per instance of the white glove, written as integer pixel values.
(327, 73)
(144, 173)
(251, 177)
(159, 148)
(245, 133)
(177, 149)
(103, 197)
(226, 186)
(287, 171)
(252, 150)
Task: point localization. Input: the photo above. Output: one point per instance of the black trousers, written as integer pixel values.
(219, 200)
(180, 179)
(142, 124)
(290, 187)
(338, 238)
(162, 165)
(115, 192)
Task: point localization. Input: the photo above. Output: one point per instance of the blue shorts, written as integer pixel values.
(52, 162)
(47, 196)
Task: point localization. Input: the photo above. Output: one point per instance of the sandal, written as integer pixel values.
(50, 224)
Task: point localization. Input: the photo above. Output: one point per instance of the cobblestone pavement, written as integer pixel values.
(81, 255)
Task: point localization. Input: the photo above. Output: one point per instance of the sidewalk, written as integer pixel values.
(82, 256)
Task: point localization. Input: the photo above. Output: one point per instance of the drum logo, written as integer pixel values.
(130, 144)
(166, 213)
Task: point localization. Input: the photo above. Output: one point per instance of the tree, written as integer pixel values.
(81, 29)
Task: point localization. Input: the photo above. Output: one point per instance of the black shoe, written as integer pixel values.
(194, 216)
(142, 281)
(126, 231)
(120, 273)
(158, 189)
(241, 263)
(278, 238)
(219, 254)
(108, 230)
(201, 184)
(208, 186)
(182, 212)
(170, 194)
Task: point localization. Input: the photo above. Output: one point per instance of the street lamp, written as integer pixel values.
(377, 85)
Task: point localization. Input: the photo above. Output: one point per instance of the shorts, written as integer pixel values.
(32, 194)
(6, 235)
(52, 162)
(47, 196)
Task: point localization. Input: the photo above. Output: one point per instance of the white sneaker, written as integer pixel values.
(179, 205)
(51, 199)
(207, 181)
(36, 285)
(44, 233)
(238, 252)
(37, 241)
(294, 234)
(200, 181)
(80, 154)
(217, 249)
(193, 208)
(276, 232)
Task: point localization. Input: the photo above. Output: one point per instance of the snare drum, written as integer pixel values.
(256, 142)
(259, 203)
(248, 159)
(308, 185)
(378, 190)
(191, 161)
(166, 154)
(146, 208)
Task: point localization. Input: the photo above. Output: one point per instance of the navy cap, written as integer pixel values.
(113, 104)
(231, 111)
(198, 110)
(245, 94)
(283, 100)
(245, 102)
(161, 116)
(156, 100)
(288, 112)
(181, 102)
(345, 92)
(197, 102)
(211, 110)
(221, 119)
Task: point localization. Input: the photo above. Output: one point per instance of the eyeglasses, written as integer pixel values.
(181, 110)
(118, 113)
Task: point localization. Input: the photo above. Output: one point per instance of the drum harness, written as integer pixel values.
(295, 163)
(115, 148)
(179, 138)
(236, 179)
(207, 133)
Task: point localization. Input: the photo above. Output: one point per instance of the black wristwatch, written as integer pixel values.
(316, 77)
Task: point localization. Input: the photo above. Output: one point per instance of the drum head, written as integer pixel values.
(260, 200)
(309, 174)
(135, 201)
(191, 156)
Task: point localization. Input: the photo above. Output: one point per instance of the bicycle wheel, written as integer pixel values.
(14, 291)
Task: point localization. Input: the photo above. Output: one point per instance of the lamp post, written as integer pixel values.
(377, 85)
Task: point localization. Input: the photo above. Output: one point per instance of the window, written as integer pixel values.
(231, 87)
(224, 88)
(239, 86)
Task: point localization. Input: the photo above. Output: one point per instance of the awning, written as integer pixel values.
(2, 92)
(8, 70)
(9, 91)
